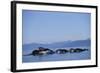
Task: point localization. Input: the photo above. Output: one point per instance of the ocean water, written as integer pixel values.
(56, 57)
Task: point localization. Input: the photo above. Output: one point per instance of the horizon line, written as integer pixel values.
(54, 42)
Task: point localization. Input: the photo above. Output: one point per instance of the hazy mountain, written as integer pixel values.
(78, 43)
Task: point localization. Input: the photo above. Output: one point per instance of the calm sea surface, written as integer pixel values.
(56, 57)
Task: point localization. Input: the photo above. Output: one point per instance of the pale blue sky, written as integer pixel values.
(48, 27)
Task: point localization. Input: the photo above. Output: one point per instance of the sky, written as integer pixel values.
(50, 26)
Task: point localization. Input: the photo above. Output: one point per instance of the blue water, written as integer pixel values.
(56, 57)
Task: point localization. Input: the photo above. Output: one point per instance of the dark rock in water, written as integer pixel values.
(80, 50)
(85, 49)
(47, 51)
(61, 51)
(77, 50)
(71, 50)
(42, 51)
(35, 52)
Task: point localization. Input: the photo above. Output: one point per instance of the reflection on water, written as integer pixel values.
(56, 57)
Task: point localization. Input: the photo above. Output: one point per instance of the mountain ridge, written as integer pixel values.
(77, 43)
